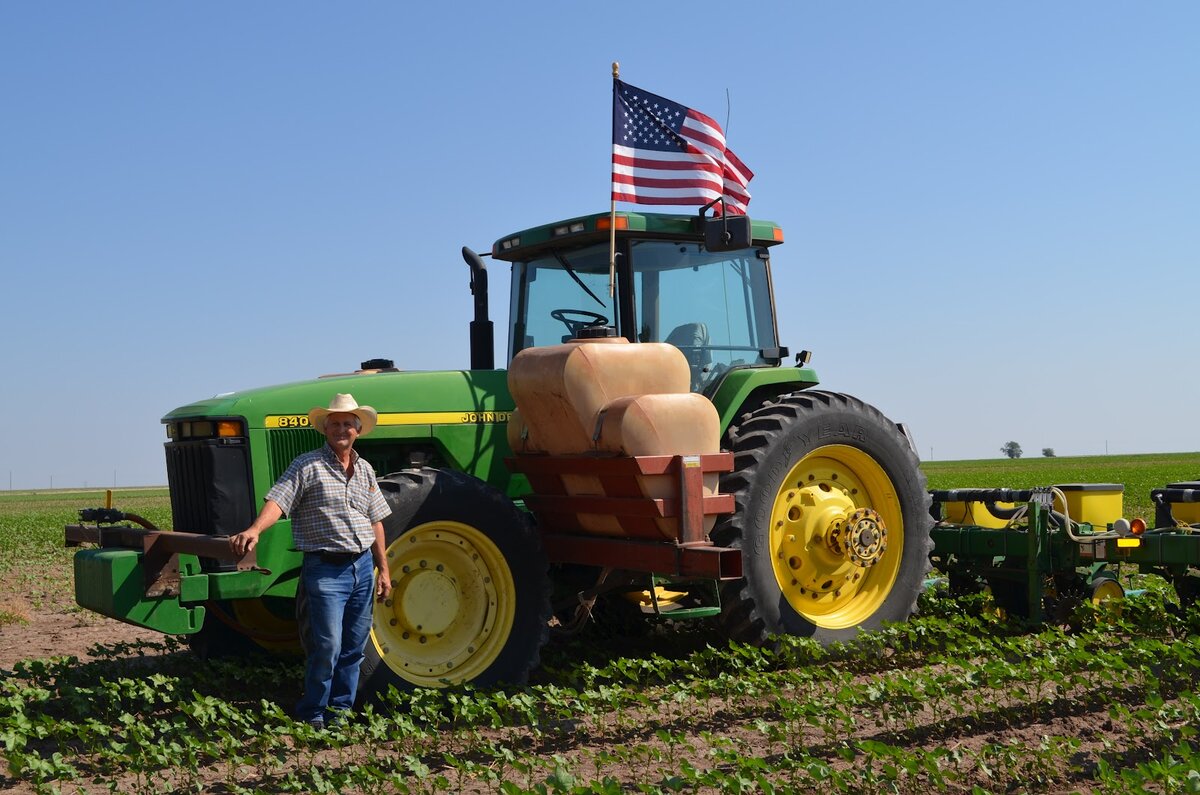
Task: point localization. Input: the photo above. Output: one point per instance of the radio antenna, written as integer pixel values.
(728, 112)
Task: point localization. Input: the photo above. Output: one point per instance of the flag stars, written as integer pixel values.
(648, 125)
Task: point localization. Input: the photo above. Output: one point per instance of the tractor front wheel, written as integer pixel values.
(832, 517)
(470, 594)
(242, 627)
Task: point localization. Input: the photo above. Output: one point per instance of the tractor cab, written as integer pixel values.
(711, 298)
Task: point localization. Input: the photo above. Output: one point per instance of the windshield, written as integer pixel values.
(715, 307)
(543, 291)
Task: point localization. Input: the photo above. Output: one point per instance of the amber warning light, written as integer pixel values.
(229, 428)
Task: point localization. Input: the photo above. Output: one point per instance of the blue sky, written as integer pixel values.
(992, 210)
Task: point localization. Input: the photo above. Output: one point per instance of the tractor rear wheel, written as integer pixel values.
(470, 595)
(832, 517)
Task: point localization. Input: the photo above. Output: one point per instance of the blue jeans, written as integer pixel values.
(333, 606)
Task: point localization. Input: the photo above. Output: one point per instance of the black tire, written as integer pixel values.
(1011, 599)
(847, 439)
(247, 627)
(464, 560)
(960, 584)
(1187, 587)
(216, 640)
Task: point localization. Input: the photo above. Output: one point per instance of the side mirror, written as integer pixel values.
(727, 233)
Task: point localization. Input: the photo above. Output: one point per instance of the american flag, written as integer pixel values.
(665, 153)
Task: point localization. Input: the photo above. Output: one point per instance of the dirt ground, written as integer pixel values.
(48, 623)
(51, 633)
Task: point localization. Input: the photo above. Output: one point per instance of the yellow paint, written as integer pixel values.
(1096, 507)
(1186, 512)
(975, 513)
(267, 629)
(287, 421)
(452, 607)
(1106, 591)
(661, 594)
(1129, 542)
(444, 417)
(405, 418)
(427, 601)
(821, 492)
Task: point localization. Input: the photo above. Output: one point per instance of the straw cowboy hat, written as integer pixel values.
(344, 404)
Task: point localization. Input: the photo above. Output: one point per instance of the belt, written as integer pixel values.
(328, 556)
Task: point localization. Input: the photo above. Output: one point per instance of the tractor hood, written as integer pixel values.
(427, 397)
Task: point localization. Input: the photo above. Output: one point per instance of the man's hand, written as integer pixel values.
(245, 541)
(383, 583)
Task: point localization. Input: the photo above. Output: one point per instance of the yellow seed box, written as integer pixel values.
(1098, 504)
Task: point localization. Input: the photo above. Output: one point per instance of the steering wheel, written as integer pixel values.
(575, 319)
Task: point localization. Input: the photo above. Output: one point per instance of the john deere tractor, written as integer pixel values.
(651, 450)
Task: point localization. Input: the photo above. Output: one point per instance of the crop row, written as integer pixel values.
(857, 716)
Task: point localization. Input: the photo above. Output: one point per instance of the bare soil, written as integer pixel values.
(39, 618)
(43, 621)
(53, 633)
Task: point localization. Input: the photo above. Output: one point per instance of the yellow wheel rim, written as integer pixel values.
(451, 608)
(837, 536)
(272, 629)
(990, 606)
(1106, 590)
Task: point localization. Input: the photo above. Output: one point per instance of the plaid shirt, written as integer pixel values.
(329, 511)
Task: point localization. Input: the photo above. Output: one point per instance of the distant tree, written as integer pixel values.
(1011, 449)
(1048, 452)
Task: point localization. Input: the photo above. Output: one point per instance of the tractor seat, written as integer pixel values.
(692, 339)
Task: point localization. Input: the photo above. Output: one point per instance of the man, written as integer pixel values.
(337, 514)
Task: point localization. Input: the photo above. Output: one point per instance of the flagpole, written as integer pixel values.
(612, 212)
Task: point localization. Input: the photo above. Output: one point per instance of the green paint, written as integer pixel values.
(452, 418)
(733, 392)
(111, 582)
(530, 241)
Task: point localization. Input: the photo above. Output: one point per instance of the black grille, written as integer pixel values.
(210, 485)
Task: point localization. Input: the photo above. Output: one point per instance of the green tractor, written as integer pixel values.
(819, 525)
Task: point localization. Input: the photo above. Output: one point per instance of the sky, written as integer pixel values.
(991, 210)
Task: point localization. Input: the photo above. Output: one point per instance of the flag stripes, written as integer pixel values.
(666, 153)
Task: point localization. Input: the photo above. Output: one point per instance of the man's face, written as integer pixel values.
(341, 429)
